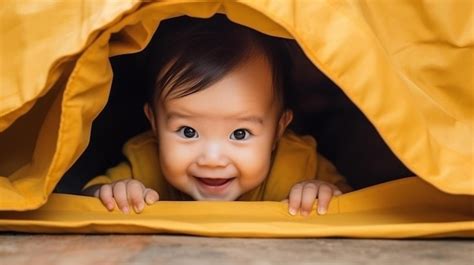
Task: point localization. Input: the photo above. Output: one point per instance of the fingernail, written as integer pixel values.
(321, 210)
(149, 200)
(125, 209)
(110, 206)
(136, 209)
(304, 213)
(292, 211)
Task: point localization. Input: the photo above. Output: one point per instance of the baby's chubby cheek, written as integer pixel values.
(174, 164)
(253, 171)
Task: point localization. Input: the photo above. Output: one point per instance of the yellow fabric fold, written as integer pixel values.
(31, 31)
(397, 209)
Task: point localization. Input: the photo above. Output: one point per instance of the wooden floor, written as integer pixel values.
(18, 249)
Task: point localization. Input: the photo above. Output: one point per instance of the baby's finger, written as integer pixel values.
(135, 195)
(151, 196)
(310, 191)
(324, 197)
(120, 196)
(106, 196)
(295, 198)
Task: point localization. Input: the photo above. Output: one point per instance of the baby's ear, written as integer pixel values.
(150, 115)
(285, 119)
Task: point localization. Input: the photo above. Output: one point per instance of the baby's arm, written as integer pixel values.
(303, 195)
(124, 193)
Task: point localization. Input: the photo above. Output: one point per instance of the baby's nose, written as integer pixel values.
(213, 155)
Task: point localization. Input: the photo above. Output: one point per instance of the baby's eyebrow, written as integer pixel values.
(175, 115)
(253, 119)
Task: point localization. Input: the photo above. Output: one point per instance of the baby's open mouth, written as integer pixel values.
(214, 182)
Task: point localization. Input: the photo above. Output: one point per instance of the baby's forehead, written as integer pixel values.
(255, 72)
(247, 88)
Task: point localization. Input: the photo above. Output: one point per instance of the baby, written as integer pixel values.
(218, 115)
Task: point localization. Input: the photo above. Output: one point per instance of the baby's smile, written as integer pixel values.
(214, 186)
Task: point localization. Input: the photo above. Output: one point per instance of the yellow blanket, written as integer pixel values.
(404, 211)
(408, 67)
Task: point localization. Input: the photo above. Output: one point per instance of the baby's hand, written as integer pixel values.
(303, 195)
(125, 193)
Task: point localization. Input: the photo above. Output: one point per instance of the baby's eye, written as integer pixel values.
(240, 134)
(188, 132)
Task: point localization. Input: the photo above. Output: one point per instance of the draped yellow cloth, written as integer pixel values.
(407, 65)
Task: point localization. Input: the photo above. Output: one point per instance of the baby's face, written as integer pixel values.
(216, 144)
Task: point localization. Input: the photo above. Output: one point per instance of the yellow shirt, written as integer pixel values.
(295, 160)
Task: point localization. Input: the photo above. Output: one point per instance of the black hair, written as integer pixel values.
(190, 54)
